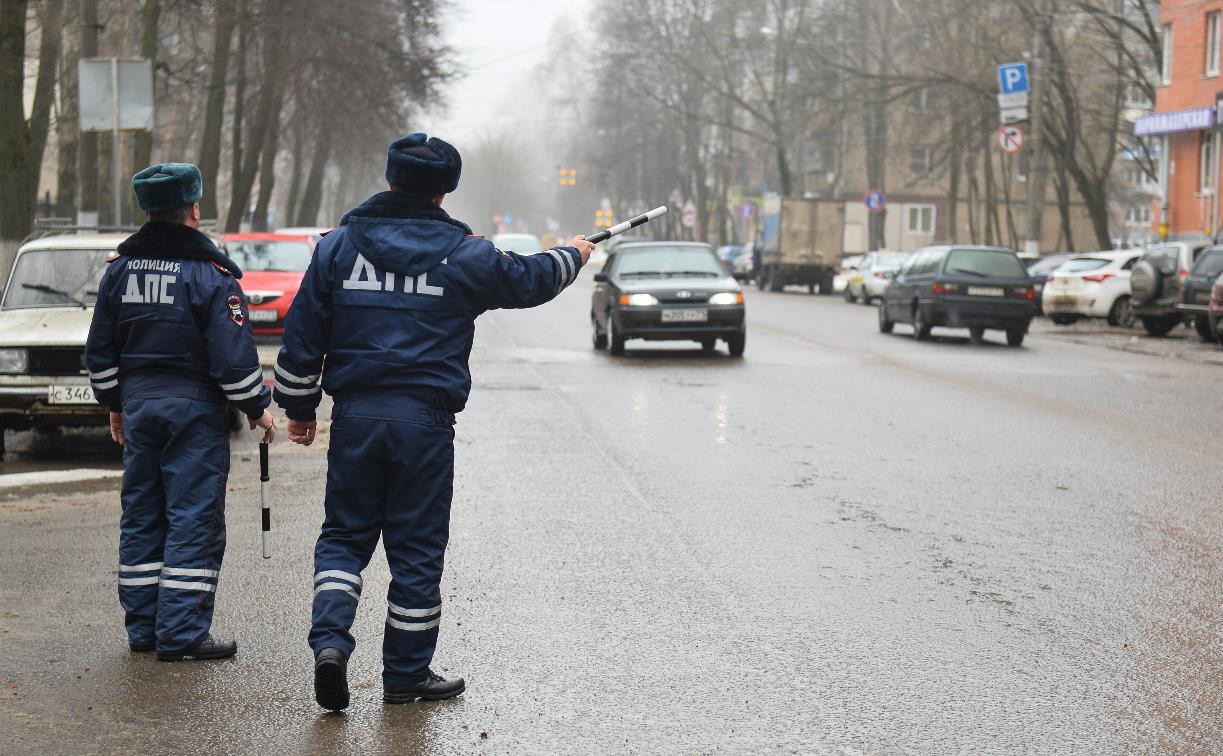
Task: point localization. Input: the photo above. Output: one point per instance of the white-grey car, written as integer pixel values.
(867, 283)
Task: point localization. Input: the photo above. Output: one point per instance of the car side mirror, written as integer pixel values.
(600, 278)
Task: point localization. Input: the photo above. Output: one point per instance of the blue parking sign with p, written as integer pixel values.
(1013, 78)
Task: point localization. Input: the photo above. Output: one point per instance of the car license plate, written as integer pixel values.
(985, 291)
(263, 316)
(1062, 305)
(685, 316)
(70, 394)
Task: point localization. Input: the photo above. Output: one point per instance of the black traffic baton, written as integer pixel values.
(620, 228)
(266, 506)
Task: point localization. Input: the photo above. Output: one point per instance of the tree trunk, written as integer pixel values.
(210, 147)
(17, 209)
(267, 116)
(1062, 187)
(312, 195)
(87, 168)
(67, 129)
(44, 88)
(953, 184)
(295, 178)
(267, 164)
(239, 116)
(142, 152)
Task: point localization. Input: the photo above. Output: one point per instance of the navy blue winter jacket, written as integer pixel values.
(171, 320)
(388, 307)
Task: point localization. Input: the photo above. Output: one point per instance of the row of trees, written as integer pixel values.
(825, 96)
(274, 99)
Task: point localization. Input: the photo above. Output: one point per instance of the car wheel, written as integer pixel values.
(976, 334)
(867, 299)
(1121, 314)
(810, 288)
(1201, 324)
(599, 338)
(774, 279)
(885, 323)
(1064, 319)
(1159, 327)
(762, 278)
(921, 326)
(709, 343)
(615, 342)
(1014, 337)
(737, 344)
(849, 295)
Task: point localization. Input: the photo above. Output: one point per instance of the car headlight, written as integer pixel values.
(727, 298)
(14, 360)
(638, 300)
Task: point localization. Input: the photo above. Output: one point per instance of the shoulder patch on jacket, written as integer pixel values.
(221, 268)
(235, 309)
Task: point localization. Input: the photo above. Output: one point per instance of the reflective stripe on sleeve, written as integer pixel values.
(338, 587)
(415, 612)
(189, 572)
(354, 579)
(245, 394)
(296, 392)
(107, 385)
(258, 374)
(413, 626)
(139, 581)
(146, 567)
(563, 269)
(103, 375)
(185, 586)
(307, 381)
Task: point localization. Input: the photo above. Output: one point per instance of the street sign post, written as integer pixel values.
(1010, 139)
(1012, 115)
(875, 201)
(115, 95)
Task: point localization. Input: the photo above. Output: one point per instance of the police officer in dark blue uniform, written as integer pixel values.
(384, 322)
(170, 345)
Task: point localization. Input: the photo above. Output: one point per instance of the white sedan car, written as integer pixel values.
(1095, 285)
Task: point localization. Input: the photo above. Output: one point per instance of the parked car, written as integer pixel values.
(666, 291)
(1095, 285)
(1195, 300)
(977, 288)
(744, 266)
(1039, 269)
(523, 244)
(1216, 309)
(314, 232)
(849, 265)
(44, 319)
(867, 283)
(730, 253)
(273, 266)
(1157, 284)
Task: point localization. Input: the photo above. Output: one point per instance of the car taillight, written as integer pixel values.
(880, 274)
(1184, 274)
(1098, 277)
(1028, 294)
(939, 289)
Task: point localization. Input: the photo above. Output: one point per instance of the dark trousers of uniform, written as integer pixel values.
(172, 530)
(394, 478)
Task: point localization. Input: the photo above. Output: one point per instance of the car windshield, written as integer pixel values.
(985, 263)
(1046, 265)
(668, 261)
(523, 244)
(1209, 265)
(1082, 265)
(890, 259)
(271, 256)
(56, 278)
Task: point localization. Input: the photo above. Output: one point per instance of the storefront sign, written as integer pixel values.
(1193, 119)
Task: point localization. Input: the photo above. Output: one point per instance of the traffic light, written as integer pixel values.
(568, 177)
(603, 219)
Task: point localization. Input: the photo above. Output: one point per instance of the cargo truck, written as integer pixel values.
(802, 243)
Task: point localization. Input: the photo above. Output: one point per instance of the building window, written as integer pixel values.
(921, 157)
(921, 219)
(1208, 181)
(921, 100)
(1165, 65)
(1212, 44)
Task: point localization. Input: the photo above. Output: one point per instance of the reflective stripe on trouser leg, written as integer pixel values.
(195, 468)
(351, 525)
(142, 525)
(419, 488)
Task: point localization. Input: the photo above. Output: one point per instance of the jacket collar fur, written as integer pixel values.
(402, 206)
(174, 241)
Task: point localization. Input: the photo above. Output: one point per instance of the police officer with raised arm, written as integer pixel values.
(170, 345)
(384, 322)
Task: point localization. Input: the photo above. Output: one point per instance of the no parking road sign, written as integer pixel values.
(1010, 139)
(875, 201)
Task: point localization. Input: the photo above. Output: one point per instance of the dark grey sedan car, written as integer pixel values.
(666, 291)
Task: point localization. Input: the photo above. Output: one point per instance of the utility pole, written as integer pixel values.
(1036, 137)
(87, 161)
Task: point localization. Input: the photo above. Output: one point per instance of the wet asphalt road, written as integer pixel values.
(843, 543)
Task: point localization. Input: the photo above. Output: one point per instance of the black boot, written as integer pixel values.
(433, 688)
(142, 646)
(209, 648)
(331, 679)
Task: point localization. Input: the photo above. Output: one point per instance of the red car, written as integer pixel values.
(272, 266)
